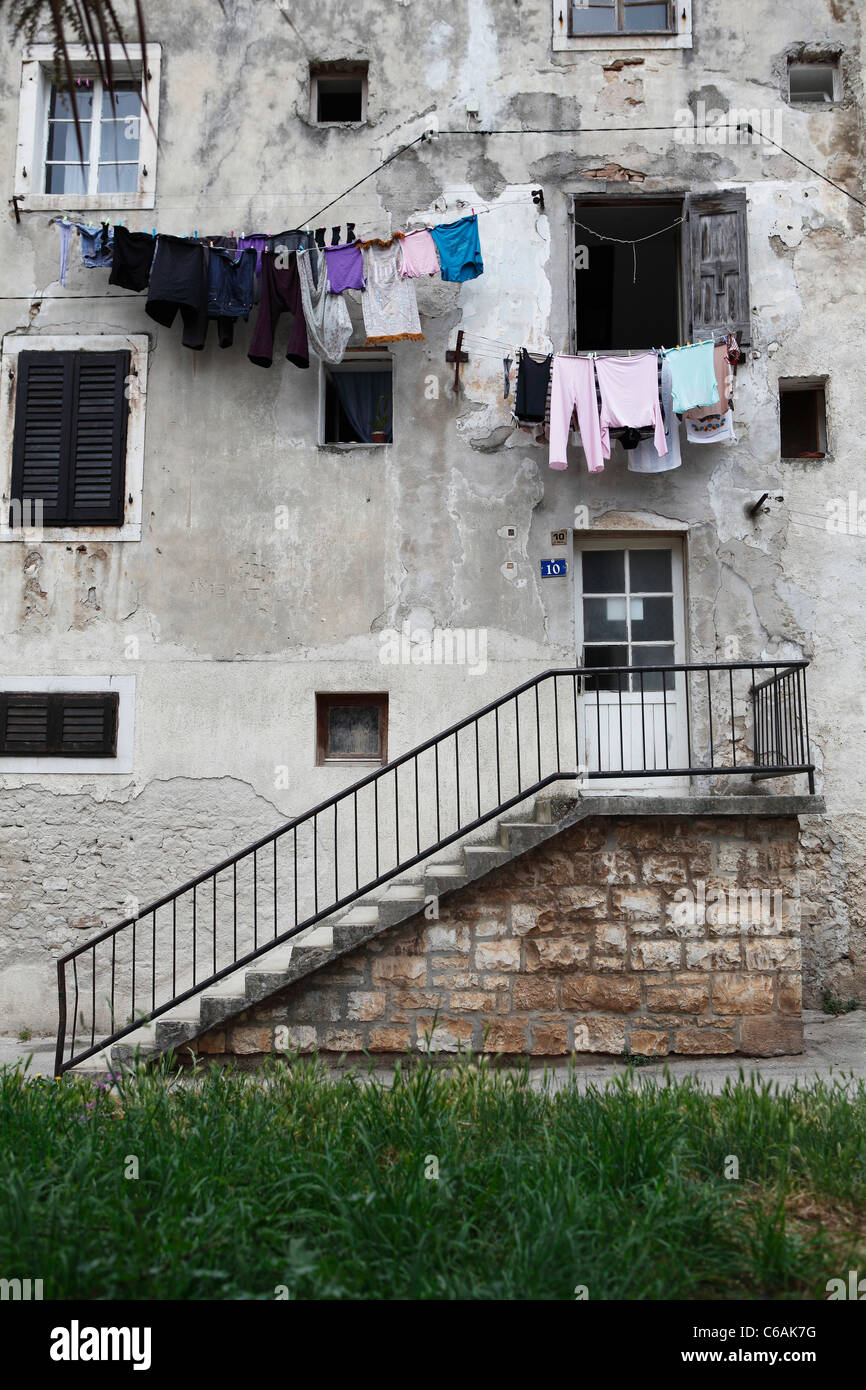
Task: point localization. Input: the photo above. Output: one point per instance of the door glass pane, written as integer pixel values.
(604, 619)
(656, 621)
(649, 571)
(653, 656)
(604, 571)
(606, 656)
(353, 731)
(644, 18)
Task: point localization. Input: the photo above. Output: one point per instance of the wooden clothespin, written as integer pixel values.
(458, 357)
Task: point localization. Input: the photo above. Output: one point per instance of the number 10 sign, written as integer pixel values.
(553, 569)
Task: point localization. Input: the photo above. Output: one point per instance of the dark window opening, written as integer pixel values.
(69, 447)
(359, 403)
(620, 17)
(655, 274)
(339, 95)
(813, 81)
(802, 420)
(58, 725)
(351, 728)
(621, 304)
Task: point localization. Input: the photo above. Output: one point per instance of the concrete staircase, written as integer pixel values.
(330, 939)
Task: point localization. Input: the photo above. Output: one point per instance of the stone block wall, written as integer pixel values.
(642, 936)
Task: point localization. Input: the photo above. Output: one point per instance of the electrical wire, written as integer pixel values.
(565, 130)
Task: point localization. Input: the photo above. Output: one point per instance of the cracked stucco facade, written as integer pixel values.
(237, 622)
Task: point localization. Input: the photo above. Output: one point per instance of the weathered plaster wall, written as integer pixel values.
(238, 623)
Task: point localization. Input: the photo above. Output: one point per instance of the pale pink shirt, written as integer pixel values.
(419, 254)
(629, 389)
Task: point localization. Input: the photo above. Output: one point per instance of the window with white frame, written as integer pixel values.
(611, 24)
(109, 158)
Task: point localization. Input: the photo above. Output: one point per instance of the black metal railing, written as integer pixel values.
(696, 720)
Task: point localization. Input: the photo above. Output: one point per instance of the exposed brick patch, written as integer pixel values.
(619, 936)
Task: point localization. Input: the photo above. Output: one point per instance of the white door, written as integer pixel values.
(630, 612)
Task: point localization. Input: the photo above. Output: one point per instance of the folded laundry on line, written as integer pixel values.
(231, 286)
(389, 302)
(693, 375)
(281, 293)
(329, 326)
(179, 282)
(345, 267)
(133, 257)
(418, 254)
(645, 458)
(715, 429)
(630, 397)
(459, 248)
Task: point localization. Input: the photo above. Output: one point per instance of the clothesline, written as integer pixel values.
(630, 241)
(64, 218)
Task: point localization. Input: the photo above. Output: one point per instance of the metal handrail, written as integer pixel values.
(781, 694)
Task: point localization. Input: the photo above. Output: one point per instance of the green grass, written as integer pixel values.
(291, 1178)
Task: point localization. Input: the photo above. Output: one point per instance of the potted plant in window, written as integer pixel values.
(379, 428)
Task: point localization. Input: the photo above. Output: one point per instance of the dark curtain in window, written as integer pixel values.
(366, 399)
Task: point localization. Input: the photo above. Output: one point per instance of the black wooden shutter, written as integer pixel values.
(716, 265)
(40, 449)
(98, 452)
(70, 436)
(58, 725)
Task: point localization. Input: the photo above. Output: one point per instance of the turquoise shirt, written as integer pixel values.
(693, 376)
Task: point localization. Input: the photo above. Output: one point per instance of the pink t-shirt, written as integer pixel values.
(629, 389)
(419, 254)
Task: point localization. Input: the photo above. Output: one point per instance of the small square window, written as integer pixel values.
(351, 728)
(818, 82)
(357, 403)
(338, 93)
(802, 419)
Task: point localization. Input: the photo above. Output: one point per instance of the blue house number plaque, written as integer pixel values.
(553, 569)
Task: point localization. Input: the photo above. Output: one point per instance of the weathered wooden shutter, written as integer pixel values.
(69, 448)
(716, 265)
(40, 447)
(58, 725)
(98, 449)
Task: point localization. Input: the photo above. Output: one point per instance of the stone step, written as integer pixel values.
(519, 836)
(444, 878)
(359, 914)
(480, 859)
